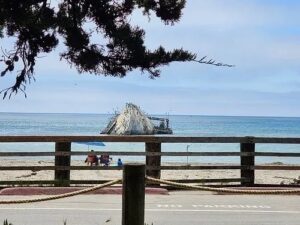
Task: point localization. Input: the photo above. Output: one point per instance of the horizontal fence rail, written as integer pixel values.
(123, 153)
(152, 153)
(218, 167)
(151, 139)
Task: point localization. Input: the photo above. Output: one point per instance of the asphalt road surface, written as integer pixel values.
(184, 208)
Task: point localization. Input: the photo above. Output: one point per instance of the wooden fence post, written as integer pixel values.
(248, 162)
(153, 160)
(62, 176)
(133, 198)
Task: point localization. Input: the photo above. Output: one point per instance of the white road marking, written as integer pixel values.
(234, 206)
(169, 206)
(221, 210)
(162, 210)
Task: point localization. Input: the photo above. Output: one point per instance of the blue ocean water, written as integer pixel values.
(188, 125)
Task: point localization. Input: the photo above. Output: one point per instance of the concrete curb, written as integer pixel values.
(63, 190)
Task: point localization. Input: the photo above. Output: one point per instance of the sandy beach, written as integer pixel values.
(262, 176)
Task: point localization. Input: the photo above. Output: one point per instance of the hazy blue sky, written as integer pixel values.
(261, 37)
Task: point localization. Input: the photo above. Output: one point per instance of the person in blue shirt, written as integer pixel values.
(120, 163)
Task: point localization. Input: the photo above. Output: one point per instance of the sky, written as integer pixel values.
(260, 37)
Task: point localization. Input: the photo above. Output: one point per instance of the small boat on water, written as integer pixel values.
(162, 127)
(132, 121)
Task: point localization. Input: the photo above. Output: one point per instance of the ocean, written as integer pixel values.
(184, 125)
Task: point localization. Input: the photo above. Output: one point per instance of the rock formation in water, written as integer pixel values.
(132, 121)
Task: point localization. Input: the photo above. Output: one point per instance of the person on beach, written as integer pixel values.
(105, 160)
(120, 163)
(92, 158)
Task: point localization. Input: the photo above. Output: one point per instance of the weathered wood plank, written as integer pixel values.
(89, 181)
(277, 154)
(276, 167)
(123, 138)
(248, 162)
(24, 154)
(277, 140)
(119, 153)
(221, 180)
(39, 168)
(51, 182)
(152, 160)
(28, 182)
(133, 194)
(122, 153)
(215, 167)
(62, 175)
(185, 167)
(149, 138)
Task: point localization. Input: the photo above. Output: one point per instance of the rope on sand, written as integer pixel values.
(20, 201)
(157, 181)
(224, 190)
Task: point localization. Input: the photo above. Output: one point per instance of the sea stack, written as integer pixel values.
(131, 121)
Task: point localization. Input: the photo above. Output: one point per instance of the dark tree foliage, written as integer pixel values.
(38, 25)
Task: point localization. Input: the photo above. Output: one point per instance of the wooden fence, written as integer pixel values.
(153, 155)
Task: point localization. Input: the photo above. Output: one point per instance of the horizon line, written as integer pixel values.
(160, 114)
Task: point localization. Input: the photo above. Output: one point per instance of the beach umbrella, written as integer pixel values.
(91, 143)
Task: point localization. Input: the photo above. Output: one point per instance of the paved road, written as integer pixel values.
(190, 208)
